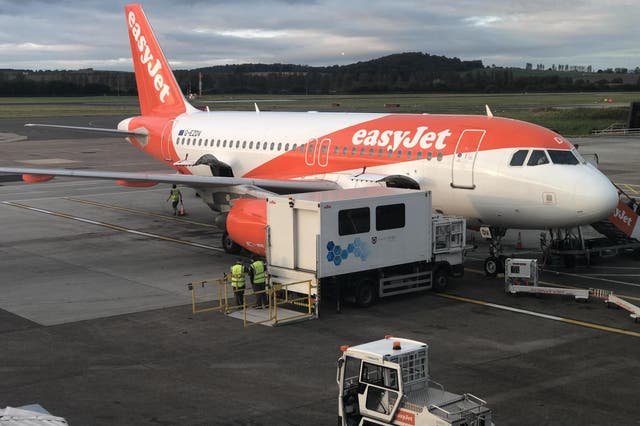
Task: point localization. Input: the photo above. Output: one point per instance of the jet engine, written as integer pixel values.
(246, 224)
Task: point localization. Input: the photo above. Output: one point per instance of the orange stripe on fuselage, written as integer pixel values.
(388, 139)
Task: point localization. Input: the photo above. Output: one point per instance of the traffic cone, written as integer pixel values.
(519, 242)
(182, 211)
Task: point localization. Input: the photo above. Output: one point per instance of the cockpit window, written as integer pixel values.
(537, 158)
(518, 157)
(562, 157)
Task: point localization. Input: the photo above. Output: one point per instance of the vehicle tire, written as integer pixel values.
(229, 245)
(491, 266)
(366, 293)
(440, 280)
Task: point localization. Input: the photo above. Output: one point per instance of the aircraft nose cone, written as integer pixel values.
(595, 197)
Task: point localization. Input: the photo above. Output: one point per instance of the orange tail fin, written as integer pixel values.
(158, 90)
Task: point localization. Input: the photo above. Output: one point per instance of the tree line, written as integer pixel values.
(411, 72)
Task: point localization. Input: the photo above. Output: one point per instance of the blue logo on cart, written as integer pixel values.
(337, 253)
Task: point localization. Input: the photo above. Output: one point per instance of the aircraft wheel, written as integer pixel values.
(229, 246)
(491, 266)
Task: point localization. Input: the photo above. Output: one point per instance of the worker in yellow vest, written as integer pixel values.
(176, 197)
(237, 281)
(258, 273)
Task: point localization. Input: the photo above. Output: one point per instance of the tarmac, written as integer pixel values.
(96, 323)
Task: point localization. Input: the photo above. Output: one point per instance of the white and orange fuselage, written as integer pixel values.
(463, 160)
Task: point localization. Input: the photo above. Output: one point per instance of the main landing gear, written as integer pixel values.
(229, 245)
(493, 264)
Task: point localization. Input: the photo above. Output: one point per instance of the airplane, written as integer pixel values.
(498, 173)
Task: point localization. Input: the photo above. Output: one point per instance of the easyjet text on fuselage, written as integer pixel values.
(395, 138)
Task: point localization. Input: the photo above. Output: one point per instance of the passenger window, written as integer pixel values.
(519, 157)
(286, 147)
(251, 145)
(390, 217)
(244, 144)
(429, 155)
(345, 150)
(280, 146)
(354, 221)
(537, 158)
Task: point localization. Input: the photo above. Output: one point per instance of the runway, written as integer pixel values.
(97, 327)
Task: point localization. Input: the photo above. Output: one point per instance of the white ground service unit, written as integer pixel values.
(521, 276)
(387, 382)
(364, 243)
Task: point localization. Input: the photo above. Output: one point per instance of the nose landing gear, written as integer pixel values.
(493, 264)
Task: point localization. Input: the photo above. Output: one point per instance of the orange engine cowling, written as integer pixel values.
(246, 224)
(136, 183)
(36, 178)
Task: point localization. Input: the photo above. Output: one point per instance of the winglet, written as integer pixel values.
(489, 113)
(158, 89)
(257, 109)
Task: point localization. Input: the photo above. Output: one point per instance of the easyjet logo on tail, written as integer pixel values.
(146, 58)
(408, 139)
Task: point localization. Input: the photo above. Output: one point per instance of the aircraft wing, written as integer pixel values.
(139, 133)
(279, 186)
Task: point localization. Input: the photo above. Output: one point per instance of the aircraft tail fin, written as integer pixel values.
(158, 89)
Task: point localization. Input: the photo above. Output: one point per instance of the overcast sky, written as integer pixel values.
(72, 34)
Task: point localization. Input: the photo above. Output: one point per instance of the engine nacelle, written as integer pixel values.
(247, 222)
(36, 178)
(136, 183)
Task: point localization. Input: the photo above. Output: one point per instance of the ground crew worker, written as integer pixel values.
(258, 279)
(237, 281)
(176, 197)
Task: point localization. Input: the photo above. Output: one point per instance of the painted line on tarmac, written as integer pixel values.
(630, 188)
(540, 315)
(550, 284)
(112, 226)
(594, 278)
(138, 212)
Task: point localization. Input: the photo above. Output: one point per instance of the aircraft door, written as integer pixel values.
(165, 140)
(464, 158)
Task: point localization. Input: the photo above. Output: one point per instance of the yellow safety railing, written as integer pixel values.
(216, 295)
(217, 299)
(281, 296)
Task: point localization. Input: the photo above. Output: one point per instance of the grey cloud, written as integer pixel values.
(197, 33)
